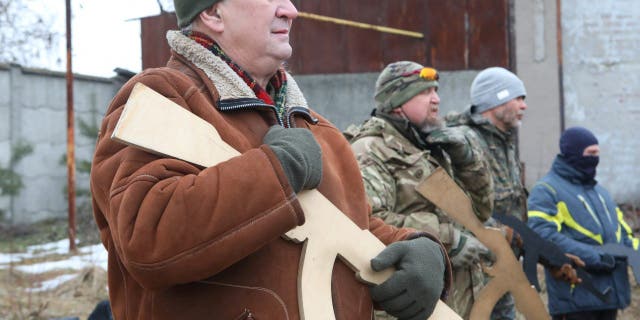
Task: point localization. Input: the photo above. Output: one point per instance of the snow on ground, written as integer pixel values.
(53, 283)
(87, 257)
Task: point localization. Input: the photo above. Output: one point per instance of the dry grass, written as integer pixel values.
(74, 298)
(78, 297)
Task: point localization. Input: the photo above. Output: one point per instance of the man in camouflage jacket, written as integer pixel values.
(394, 157)
(497, 98)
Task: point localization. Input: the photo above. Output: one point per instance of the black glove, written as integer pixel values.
(454, 142)
(414, 288)
(299, 154)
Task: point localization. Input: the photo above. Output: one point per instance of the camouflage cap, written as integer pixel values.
(401, 81)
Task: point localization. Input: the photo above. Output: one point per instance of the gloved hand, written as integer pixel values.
(471, 168)
(414, 288)
(453, 141)
(567, 272)
(299, 154)
(467, 250)
(606, 264)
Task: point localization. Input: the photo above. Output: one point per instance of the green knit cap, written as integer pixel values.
(400, 81)
(187, 10)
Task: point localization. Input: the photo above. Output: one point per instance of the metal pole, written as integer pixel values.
(560, 62)
(361, 25)
(71, 164)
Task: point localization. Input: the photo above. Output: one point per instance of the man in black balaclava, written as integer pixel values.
(579, 148)
(570, 208)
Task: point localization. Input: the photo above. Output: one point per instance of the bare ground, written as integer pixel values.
(78, 297)
(74, 298)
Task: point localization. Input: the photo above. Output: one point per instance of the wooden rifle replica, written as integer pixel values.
(538, 249)
(156, 124)
(506, 272)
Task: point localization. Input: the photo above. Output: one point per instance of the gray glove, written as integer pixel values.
(467, 250)
(454, 142)
(299, 154)
(414, 288)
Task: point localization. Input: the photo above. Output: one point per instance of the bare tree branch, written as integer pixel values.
(25, 36)
(161, 7)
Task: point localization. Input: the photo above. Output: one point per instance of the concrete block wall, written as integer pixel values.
(5, 127)
(537, 66)
(33, 108)
(601, 70)
(597, 80)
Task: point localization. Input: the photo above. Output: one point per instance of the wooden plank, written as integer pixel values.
(322, 47)
(156, 124)
(411, 15)
(488, 33)
(318, 47)
(155, 49)
(363, 47)
(448, 40)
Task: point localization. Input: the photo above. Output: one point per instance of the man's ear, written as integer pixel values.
(212, 18)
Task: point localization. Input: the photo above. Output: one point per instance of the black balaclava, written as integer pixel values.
(572, 144)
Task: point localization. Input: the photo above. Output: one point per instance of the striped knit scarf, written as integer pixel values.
(277, 85)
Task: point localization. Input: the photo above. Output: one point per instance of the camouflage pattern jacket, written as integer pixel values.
(509, 192)
(392, 165)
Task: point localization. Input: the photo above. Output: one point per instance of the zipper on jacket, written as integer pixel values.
(248, 104)
(302, 111)
(593, 214)
(604, 205)
(616, 226)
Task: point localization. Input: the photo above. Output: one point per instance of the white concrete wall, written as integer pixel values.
(5, 128)
(537, 66)
(602, 86)
(33, 111)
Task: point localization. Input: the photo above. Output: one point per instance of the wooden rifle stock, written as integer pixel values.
(507, 273)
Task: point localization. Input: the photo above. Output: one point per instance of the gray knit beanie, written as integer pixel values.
(493, 87)
(187, 10)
